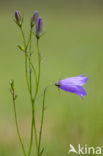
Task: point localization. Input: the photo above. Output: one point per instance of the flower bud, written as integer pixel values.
(18, 18)
(21, 48)
(34, 18)
(12, 84)
(39, 27)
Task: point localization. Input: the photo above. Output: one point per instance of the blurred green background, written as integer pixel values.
(71, 46)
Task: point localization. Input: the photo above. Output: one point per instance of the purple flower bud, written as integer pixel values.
(74, 85)
(39, 27)
(34, 18)
(18, 18)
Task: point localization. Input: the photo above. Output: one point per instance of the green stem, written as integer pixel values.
(30, 79)
(41, 127)
(18, 128)
(40, 151)
(29, 85)
(37, 87)
(30, 90)
(33, 68)
(34, 71)
(33, 125)
(14, 104)
(24, 41)
(26, 73)
(31, 138)
(23, 36)
(35, 131)
(39, 64)
(30, 72)
(33, 102)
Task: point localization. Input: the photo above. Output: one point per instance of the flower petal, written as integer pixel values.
(83, 74)
(79, 80)
(74, 89)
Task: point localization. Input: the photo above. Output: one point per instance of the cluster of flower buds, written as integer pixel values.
(35, 20)
(38, 21)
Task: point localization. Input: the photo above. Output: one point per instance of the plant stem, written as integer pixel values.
(31, 138)
(33, 102)
(13, 95)
(26, 73)
(37, 87)
(30, 79)
(17, 127)
(24, 41)
(42, 119)
(40, 152)
(23, 37)
(30, 72)
(39, 64)
(29, 87)
(30, 91)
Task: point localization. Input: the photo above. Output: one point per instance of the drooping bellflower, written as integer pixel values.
(39, 27)
(74, 85)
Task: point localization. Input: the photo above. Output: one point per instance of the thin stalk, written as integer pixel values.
(24, 41)
(39, 64)
(40, 151)
(34, 71)
(42, 119)
(31, 138)
(35, 130)
(37, 87)
(30, 89)
(33, 102)
(30, 80)
(13, 94)
(17, 127)
(33, 68)
(29, 85)
(26, 74)
(33, 125)
(30, 72)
